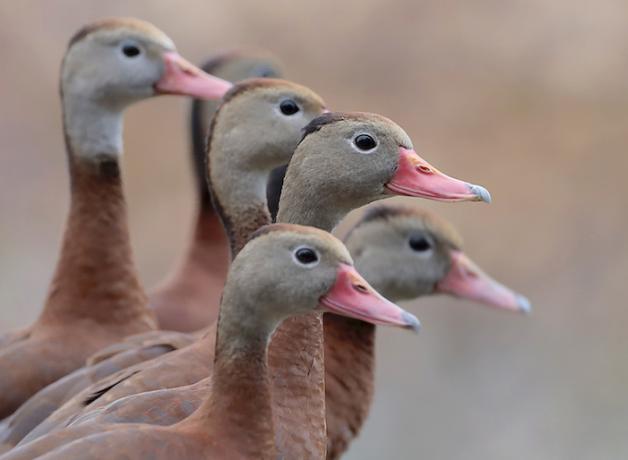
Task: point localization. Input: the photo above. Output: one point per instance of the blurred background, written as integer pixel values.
(526, 97)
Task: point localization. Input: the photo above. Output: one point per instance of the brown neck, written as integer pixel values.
(350, 370)
(207, 255)
(95, 275)
(239, 408)
(208, 249)
(297, 369)
(189, 298)
(349, 378)
(298, 373)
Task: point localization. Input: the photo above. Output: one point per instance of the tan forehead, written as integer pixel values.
(311, 234)
(377, 121)
(121, 27)
(408, 219)
(273, 86)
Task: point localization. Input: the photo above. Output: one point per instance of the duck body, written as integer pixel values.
(235, 419)
(298, 377)
(95, 297)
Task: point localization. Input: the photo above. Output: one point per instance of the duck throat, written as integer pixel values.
(240, 399)
(238, 190)
(296, 359)
(303, 205)
(95, 276)
(349, 379)
(93, 130)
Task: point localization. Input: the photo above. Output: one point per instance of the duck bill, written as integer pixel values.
(352, 296)
(416, 177)
(466, 280)
(184, 78)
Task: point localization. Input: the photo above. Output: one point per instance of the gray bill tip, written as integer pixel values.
(411, 321)
(480, 192)
(524, 304)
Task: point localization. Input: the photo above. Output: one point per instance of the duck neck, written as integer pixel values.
(349, 378)
(296, 205)
(240, 399)
(207, 252)
(95, 275)
(296, 360)
(238, 189)
(349, 373)
(189, 297)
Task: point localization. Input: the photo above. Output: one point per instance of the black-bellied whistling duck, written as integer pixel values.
(404, 252)
(259, 131)
(284, 271)
(343, 161)
(95, 297)
(188, 299)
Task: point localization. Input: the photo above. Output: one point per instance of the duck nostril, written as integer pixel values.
(361, 288)
(424, 169)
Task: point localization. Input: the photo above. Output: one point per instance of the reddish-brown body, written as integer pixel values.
(95, 298)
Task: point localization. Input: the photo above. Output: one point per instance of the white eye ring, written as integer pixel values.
(305, 256)
(368, 141)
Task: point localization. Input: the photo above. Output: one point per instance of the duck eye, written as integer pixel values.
(306, 256)
(130, 50)
(364, 142)
(288, 107)
(419, 244)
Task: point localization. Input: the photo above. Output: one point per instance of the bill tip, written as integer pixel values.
(524, 304)
(411, 321)
(481, 193)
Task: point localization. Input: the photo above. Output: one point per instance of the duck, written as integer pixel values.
(187, 300)
(405, 252)
(329, 148)
(284, 271)
(95, 297)
(264, 108)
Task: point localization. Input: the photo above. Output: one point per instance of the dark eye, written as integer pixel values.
(420, 243)
(130, 50)
(306, 256)
(288, 107)
(365, 142)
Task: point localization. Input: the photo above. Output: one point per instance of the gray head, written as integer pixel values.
(402, 250)
(232, 66)
(116, 62)
(406, 252)
(262, 119)
(287, 270)
(347, 160)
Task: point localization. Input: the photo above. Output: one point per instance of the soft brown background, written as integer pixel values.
(527, 97)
